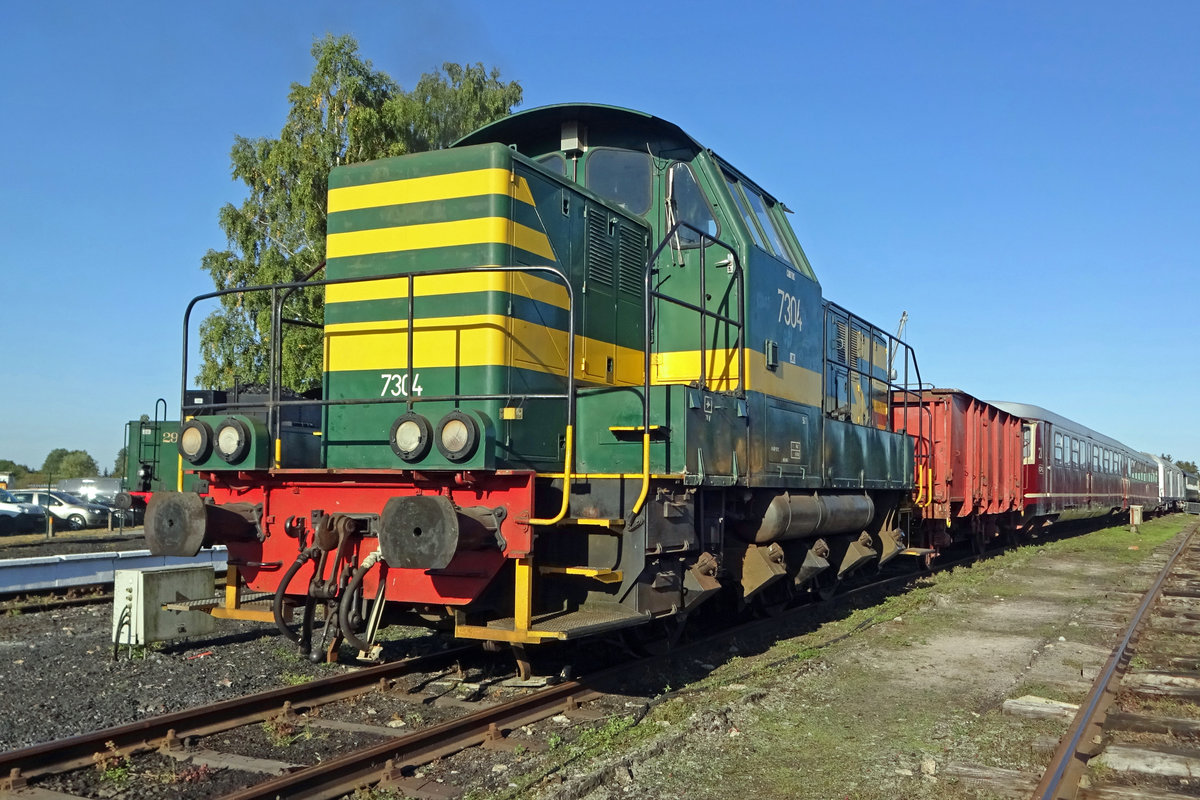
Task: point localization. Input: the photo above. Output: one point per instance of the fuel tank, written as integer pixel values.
(783, 515)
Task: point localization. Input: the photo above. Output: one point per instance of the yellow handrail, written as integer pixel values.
(645, 472)
(566, 492)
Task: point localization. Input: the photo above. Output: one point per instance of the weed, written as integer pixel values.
(114, 767)
(288, 655)
(13, 612)
(554, 741)
(293, 678)
(1099, 772)
(282, 732)
(195, 773)
(377, 793)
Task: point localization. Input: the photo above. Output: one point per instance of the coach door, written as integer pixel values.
(1091, 453)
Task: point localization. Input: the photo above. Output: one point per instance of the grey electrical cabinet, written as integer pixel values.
(139, 596)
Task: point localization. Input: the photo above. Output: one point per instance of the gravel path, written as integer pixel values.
(60, 677)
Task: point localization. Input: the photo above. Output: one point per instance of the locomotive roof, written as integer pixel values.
(524, 125)
(1026, 411)
(526, 129)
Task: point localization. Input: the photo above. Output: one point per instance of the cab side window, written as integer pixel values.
(744, 211)
(555, 163)
(689, 205)
(623, 176)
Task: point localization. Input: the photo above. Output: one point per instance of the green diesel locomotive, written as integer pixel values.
(578, 376)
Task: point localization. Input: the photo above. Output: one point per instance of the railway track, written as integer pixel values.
(1135, 734)
(169, 731)
(1140, 724)
(388, 763)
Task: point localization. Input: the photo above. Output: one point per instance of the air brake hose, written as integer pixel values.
(346, 605)
(281, 592)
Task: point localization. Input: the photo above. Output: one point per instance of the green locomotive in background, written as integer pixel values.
(578, 376)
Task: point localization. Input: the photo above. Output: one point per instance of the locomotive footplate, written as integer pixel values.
(561, 625)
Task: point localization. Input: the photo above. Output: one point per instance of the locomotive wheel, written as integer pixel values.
(825, 586)
(656, 637)
(772, 601)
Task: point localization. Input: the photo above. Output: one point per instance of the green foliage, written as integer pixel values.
(19, 471)
(62, 464)
(348, 112)
(1187, 466)
(294, 678)
(119, 464)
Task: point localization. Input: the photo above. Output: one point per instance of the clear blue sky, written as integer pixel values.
(1021, 177)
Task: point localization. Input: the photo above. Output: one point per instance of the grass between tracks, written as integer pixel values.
(871, 704)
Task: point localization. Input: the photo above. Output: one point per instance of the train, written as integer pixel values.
(579, 378)
(152, 462)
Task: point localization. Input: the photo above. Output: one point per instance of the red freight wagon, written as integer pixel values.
(969, 478)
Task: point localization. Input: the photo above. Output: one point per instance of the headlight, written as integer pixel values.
(233, 440)
(457, 436)
(410, 436)
(195, 441)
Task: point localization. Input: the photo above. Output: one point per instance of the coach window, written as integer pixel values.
(687, 204)
(1025, 443)
(622, 176)
(1075, 452)
(1107, 461)
(1058, 448)
(1095, 457)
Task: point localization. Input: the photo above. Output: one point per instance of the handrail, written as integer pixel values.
(922, 466)
(274, 401)
(651, 294)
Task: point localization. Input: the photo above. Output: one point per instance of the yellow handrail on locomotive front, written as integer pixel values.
(566, 492)
(637, 506)
(920, 487)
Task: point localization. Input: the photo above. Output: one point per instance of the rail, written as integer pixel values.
(1060, 781)
(168, 730)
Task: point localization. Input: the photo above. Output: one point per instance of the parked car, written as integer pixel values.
(18, 517)
(67, 508)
